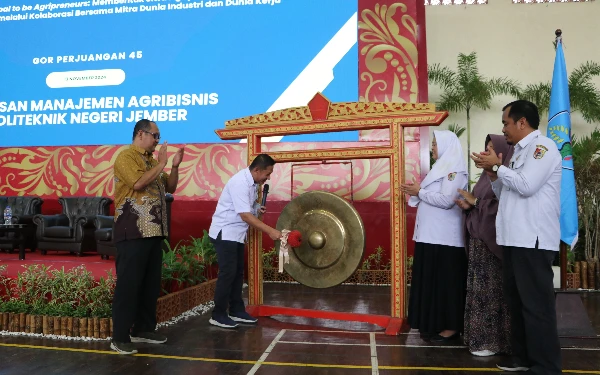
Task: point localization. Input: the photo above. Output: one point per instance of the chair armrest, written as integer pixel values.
(51, 220)
(36, 205)
(103, 221)
(25, 219)
(81, 222)
(86, 221)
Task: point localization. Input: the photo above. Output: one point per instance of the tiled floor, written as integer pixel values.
(283, 345)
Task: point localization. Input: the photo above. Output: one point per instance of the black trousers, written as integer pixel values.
(529, 293)
(139, 266)
(230, 281)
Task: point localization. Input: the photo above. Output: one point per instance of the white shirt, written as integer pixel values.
(439, 220)
(529, 194)
(239, 196)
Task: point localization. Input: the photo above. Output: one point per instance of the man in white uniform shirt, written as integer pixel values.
(237, 209)
(528, 228)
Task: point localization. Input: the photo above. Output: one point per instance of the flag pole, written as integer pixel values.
(563, 246)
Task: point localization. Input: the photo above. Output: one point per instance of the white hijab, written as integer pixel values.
(450, 160)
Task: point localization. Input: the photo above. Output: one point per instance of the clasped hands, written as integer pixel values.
(468, 200)
(163, 157)
(486, 160)
(411, 188)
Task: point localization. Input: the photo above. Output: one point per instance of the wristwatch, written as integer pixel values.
(495, 168)
(476, 205)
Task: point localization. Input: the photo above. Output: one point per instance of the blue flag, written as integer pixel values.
(559, 130)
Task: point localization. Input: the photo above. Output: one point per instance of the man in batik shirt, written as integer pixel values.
(139, 230)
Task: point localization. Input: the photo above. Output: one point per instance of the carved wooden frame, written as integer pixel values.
(321, 115)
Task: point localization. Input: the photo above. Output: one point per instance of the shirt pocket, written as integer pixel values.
(518, 163)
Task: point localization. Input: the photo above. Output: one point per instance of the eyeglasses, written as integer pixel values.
(155, 135)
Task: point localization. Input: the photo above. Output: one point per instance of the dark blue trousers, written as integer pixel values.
(228, 293)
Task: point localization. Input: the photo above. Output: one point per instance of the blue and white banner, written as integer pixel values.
(83, 72)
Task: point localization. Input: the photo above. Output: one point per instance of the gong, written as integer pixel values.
(333, 239)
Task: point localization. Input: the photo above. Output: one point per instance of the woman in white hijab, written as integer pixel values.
(437, 294)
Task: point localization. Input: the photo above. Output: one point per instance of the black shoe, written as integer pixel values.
(223, 322)
(123, 347)
(243, 317)
(439, 338)
(149, 337)
(512, 365)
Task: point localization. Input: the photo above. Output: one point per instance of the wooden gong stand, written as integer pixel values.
(321, 116)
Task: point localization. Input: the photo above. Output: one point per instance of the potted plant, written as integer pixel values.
(14, 311)
(374, 270)
(99, 303)
(205, 250)
(586, 158)
(174, 271)
(71, 303)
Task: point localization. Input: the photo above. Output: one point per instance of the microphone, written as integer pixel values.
(264, 196)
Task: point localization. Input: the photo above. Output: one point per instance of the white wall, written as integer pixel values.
(514, 41)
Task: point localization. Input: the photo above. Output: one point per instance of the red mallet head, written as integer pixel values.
(294, 238)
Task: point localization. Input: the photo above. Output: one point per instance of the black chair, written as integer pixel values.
(23, 211)
(73, 230)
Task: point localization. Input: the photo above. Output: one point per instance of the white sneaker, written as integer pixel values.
(483, 353)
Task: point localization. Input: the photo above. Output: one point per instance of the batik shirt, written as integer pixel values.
(142, 213)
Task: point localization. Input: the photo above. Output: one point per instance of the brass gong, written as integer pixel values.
(333, 239)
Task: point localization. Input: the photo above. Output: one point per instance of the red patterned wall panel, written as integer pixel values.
(393, 65)
(51, 172)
